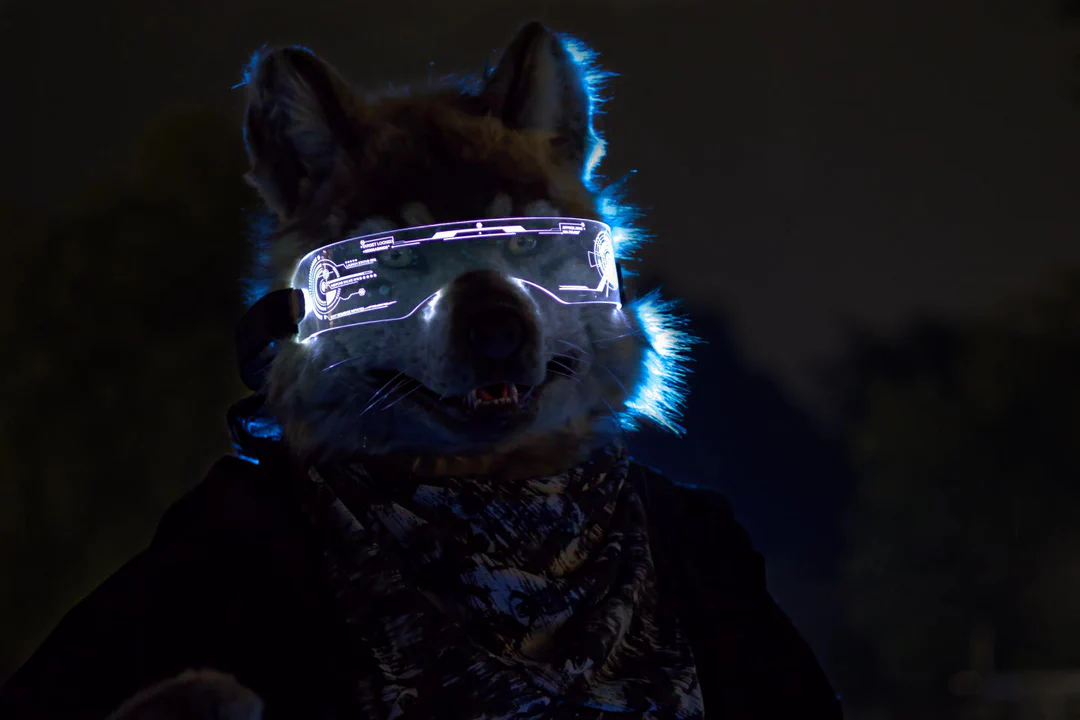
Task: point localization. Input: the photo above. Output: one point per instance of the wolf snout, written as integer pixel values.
(491, 320)
(496, 333)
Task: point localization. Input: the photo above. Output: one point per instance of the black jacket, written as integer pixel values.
(231, 582)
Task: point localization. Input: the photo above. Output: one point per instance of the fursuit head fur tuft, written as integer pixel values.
(331, 162)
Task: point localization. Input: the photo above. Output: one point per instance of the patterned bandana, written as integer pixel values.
(475, 599)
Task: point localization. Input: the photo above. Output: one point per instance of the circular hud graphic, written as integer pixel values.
(604, 251)
(325, 298)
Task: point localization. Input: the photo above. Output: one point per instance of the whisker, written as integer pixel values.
(570, 362)
(403, 396)
(615, 378)
(565, 366)
(367, 408)
(562, 359)
(571, 376)
(619, 337)
(580, 349)
(385, 385)
(380, 395)
(342, 362)
(614, 415)
(397, 386)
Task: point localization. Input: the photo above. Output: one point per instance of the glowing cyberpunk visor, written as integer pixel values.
(393, 275)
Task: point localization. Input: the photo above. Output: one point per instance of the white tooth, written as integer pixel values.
(513, 393)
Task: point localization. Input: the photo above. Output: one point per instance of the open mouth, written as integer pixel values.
(499, 395)
(500, 399)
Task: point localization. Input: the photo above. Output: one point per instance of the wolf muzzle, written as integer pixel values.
(491, 322)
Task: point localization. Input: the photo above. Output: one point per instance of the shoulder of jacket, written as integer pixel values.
(697, 525)
(668, 496)
(236, 498)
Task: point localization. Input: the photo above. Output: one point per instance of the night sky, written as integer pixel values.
(803, 164)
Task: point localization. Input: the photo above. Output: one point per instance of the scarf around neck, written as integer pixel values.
(477, 599)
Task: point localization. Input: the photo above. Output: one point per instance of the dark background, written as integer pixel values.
(870, 210)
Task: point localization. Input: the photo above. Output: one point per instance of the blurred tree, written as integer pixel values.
(118, 335)
(966, 445)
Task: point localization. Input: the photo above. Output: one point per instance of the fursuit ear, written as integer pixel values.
(537, 86)
(300, 128)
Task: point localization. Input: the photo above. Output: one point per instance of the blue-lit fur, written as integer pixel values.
(660, 395)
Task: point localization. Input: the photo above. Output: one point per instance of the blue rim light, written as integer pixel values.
(660, 395)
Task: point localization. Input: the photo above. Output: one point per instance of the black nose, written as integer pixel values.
(496, 333)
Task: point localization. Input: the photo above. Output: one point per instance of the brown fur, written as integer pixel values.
(433, 152)
(444, 148)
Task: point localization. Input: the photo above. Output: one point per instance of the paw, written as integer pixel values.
(193, 695)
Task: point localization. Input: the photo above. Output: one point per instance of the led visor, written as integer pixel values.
(391, 275)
